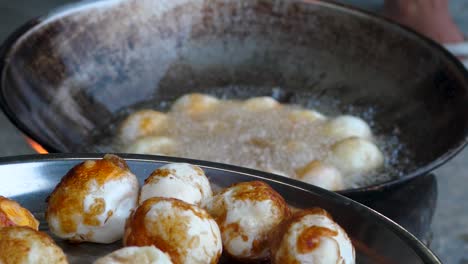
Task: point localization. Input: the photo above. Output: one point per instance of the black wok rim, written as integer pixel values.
(10, 41)
(426, 255)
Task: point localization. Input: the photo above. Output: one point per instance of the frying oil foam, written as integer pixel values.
(267, 140)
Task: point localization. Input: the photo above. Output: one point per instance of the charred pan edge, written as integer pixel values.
(449, 154)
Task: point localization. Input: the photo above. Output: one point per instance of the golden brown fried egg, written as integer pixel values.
(184, 231)
(13, 214)
(182, 181)
(311, 236)
(24, 245)
(247, 213)
(93, 200)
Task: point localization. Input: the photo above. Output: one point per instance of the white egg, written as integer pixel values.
(347, 126)
(356, 156)
(311, 236)
(195, 104)
(182, 181)
(140, 255)
(152, 145)
(247, 213)
(305, 115)
(143, 123)
(187, 233)
(260, 104)
(319, 174)
(24, 245)
(92, 202)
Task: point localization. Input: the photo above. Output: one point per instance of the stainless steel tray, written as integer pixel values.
(30, 179)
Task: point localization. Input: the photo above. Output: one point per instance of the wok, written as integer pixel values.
(76, 71)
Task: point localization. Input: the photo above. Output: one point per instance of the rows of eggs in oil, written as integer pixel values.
(259, 133)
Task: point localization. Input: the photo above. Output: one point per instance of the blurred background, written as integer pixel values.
(450, 223)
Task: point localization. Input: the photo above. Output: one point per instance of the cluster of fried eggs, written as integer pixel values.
(20, 240)
(351, 153)
(173, 218)
(101, 201)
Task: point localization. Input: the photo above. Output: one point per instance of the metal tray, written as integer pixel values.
(377, 239)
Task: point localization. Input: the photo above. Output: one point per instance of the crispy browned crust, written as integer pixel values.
(15, 249)
(67, 198)
(13, 214)
(307, 240)
(137, 232)
(252, 191)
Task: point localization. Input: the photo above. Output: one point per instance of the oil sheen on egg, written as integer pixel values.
(347, 126)
(247, 213)
(187, 233)
(311, 236)
(195, 104)
(264, 103)
(143, 123)
(319, 174)
(93, 201)
(356, 156)
(139, 255)
(13, 214)
(20, 244)
(154, 145)
(182, 181)
(263, 134)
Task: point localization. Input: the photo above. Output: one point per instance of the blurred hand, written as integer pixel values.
(428, 17)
